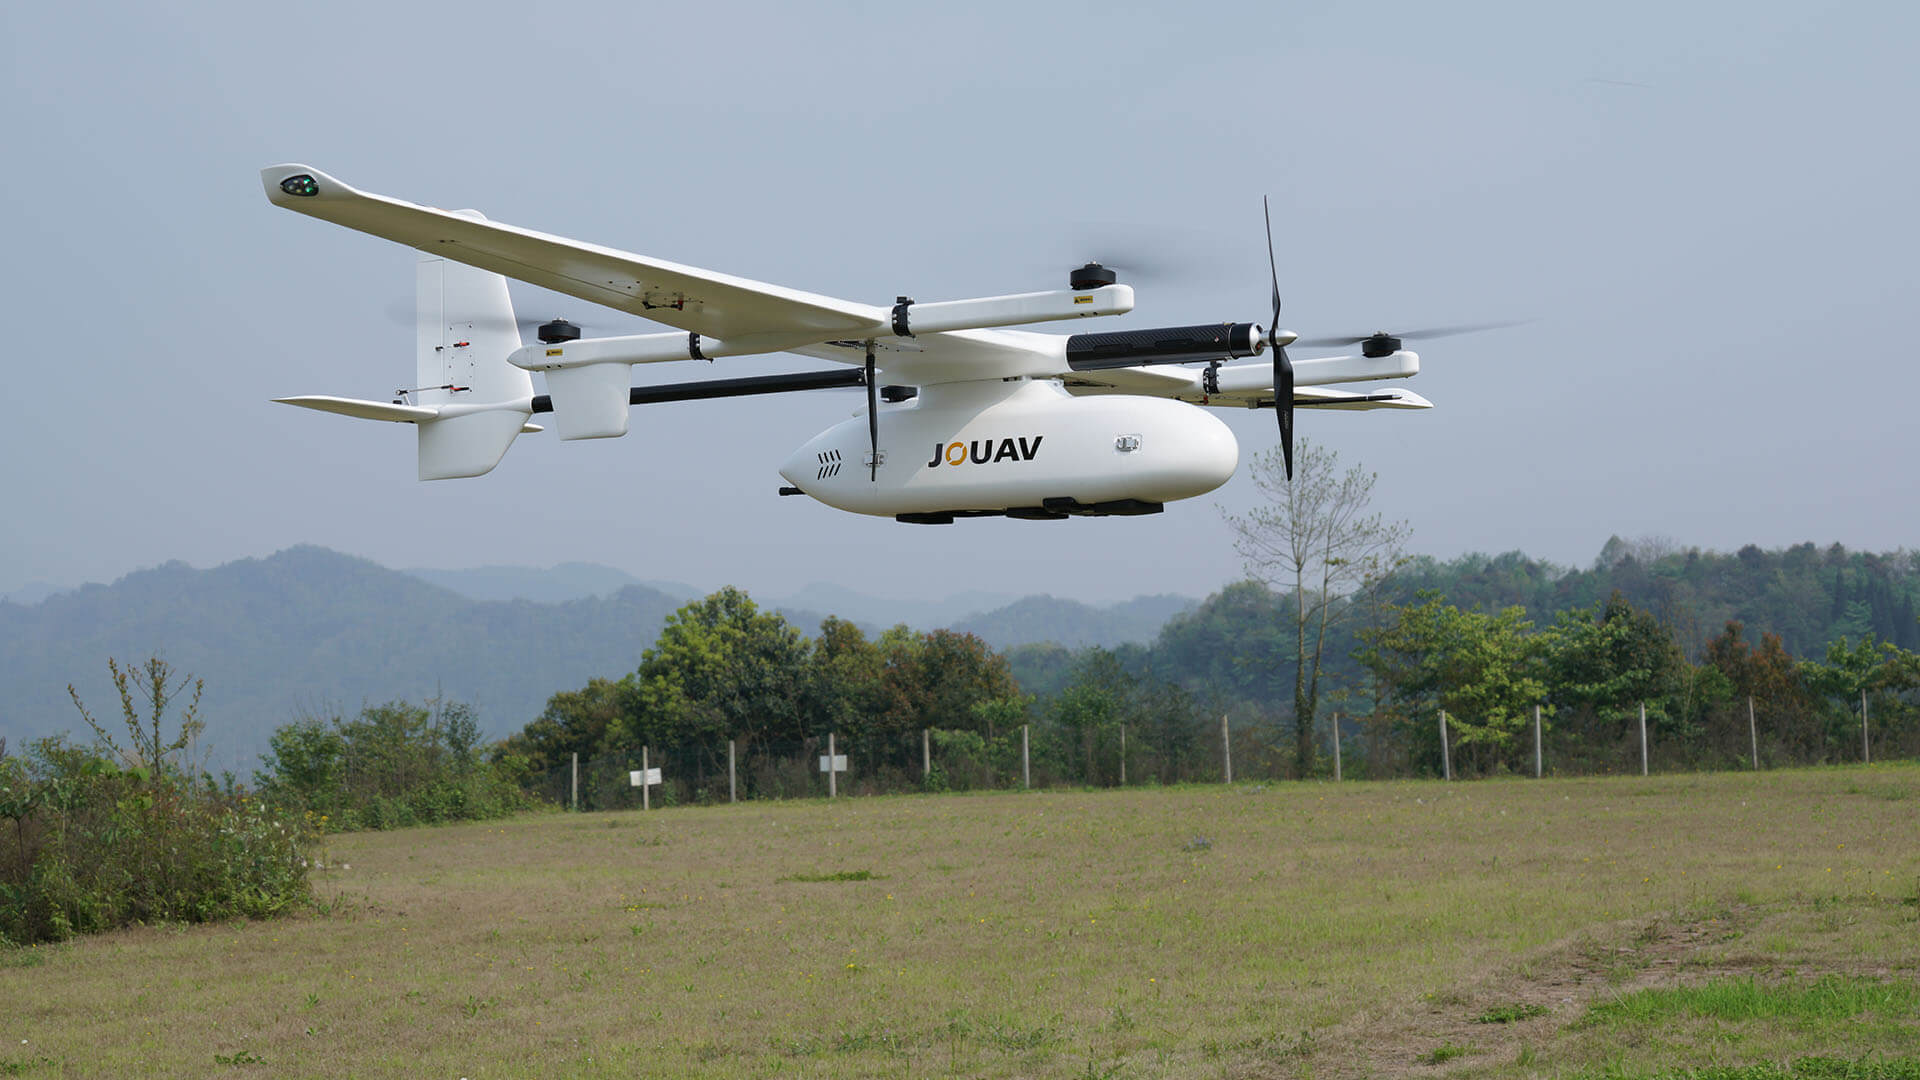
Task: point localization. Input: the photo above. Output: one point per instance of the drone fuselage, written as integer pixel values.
(1010, 445)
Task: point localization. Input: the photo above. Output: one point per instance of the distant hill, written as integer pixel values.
(1073, 624)
(31, 593)
(309, 629)
(553, 585)
(875, 611)
(577, 581)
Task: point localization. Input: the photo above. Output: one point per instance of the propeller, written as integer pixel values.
(1381, 343)
(1282, 364)
(873, 420)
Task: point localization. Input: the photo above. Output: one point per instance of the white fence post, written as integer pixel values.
(833, 774)
(1336, 748)
(1643, 738)
(1123, 755)
(1753, 734)
(733, 787)
(1446, 753)
(576, 781)
(1226, 749)
(926, 755)
(1026, 776)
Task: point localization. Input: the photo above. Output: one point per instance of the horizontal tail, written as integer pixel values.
(455, 441)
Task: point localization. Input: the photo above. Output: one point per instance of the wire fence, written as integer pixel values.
(1380, 746)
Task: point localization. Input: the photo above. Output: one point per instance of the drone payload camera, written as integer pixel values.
(964, 417)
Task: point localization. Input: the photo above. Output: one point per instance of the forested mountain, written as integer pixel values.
(309, 629)
(548, 585)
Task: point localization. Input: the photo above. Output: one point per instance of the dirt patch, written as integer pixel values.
(1555, 985)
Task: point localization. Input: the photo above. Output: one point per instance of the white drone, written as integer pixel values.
(1008, 422)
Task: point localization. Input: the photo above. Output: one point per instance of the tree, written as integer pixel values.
(156, 686)
(1880, 670)
(1606, 663)
(1485, 670)
(720, 669)
(934, 679)
(847, 675)
(1313, 535)
(574, 722)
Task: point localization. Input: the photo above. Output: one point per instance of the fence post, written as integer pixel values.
(1226, 749)
(833, 779)
(1123, 755)
(1753, 734)
(733, 790)
(1446, 753)
(1336, 748)
(576, 781)
(1026, 777)
(926, 756)
(646, 789)
(1866, 751)
(1643, 738)
(1536, 742)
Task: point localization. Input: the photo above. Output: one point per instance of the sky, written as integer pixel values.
(1705, 210)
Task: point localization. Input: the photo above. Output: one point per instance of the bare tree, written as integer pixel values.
(1313, 536)
(156, 684)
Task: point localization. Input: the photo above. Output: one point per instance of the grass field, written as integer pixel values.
(1609, 927)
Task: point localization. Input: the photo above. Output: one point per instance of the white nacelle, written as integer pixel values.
(1012, 445)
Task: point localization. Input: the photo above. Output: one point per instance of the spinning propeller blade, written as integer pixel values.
(1427, 334)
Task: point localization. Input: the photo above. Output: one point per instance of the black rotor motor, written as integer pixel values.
(557, 331)
(1379, 345)
(1092, 276)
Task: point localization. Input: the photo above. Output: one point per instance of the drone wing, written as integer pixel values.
(688, 298)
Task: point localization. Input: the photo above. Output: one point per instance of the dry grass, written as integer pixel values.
(1342, 930)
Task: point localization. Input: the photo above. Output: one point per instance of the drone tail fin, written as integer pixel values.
(464, 330)
(467, 402)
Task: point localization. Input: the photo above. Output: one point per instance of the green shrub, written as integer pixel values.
(112, 847)
(391, 767)
(110, 835)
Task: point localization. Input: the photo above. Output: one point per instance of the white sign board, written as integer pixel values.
(643, 776)
(837, 763)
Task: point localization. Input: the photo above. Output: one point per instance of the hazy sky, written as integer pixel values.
(1707, 209)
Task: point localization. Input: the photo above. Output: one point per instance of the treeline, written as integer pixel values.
(1807, 595)
(1594, 673)
(725, 672)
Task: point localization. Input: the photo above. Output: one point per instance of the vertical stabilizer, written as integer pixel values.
(464, 333)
